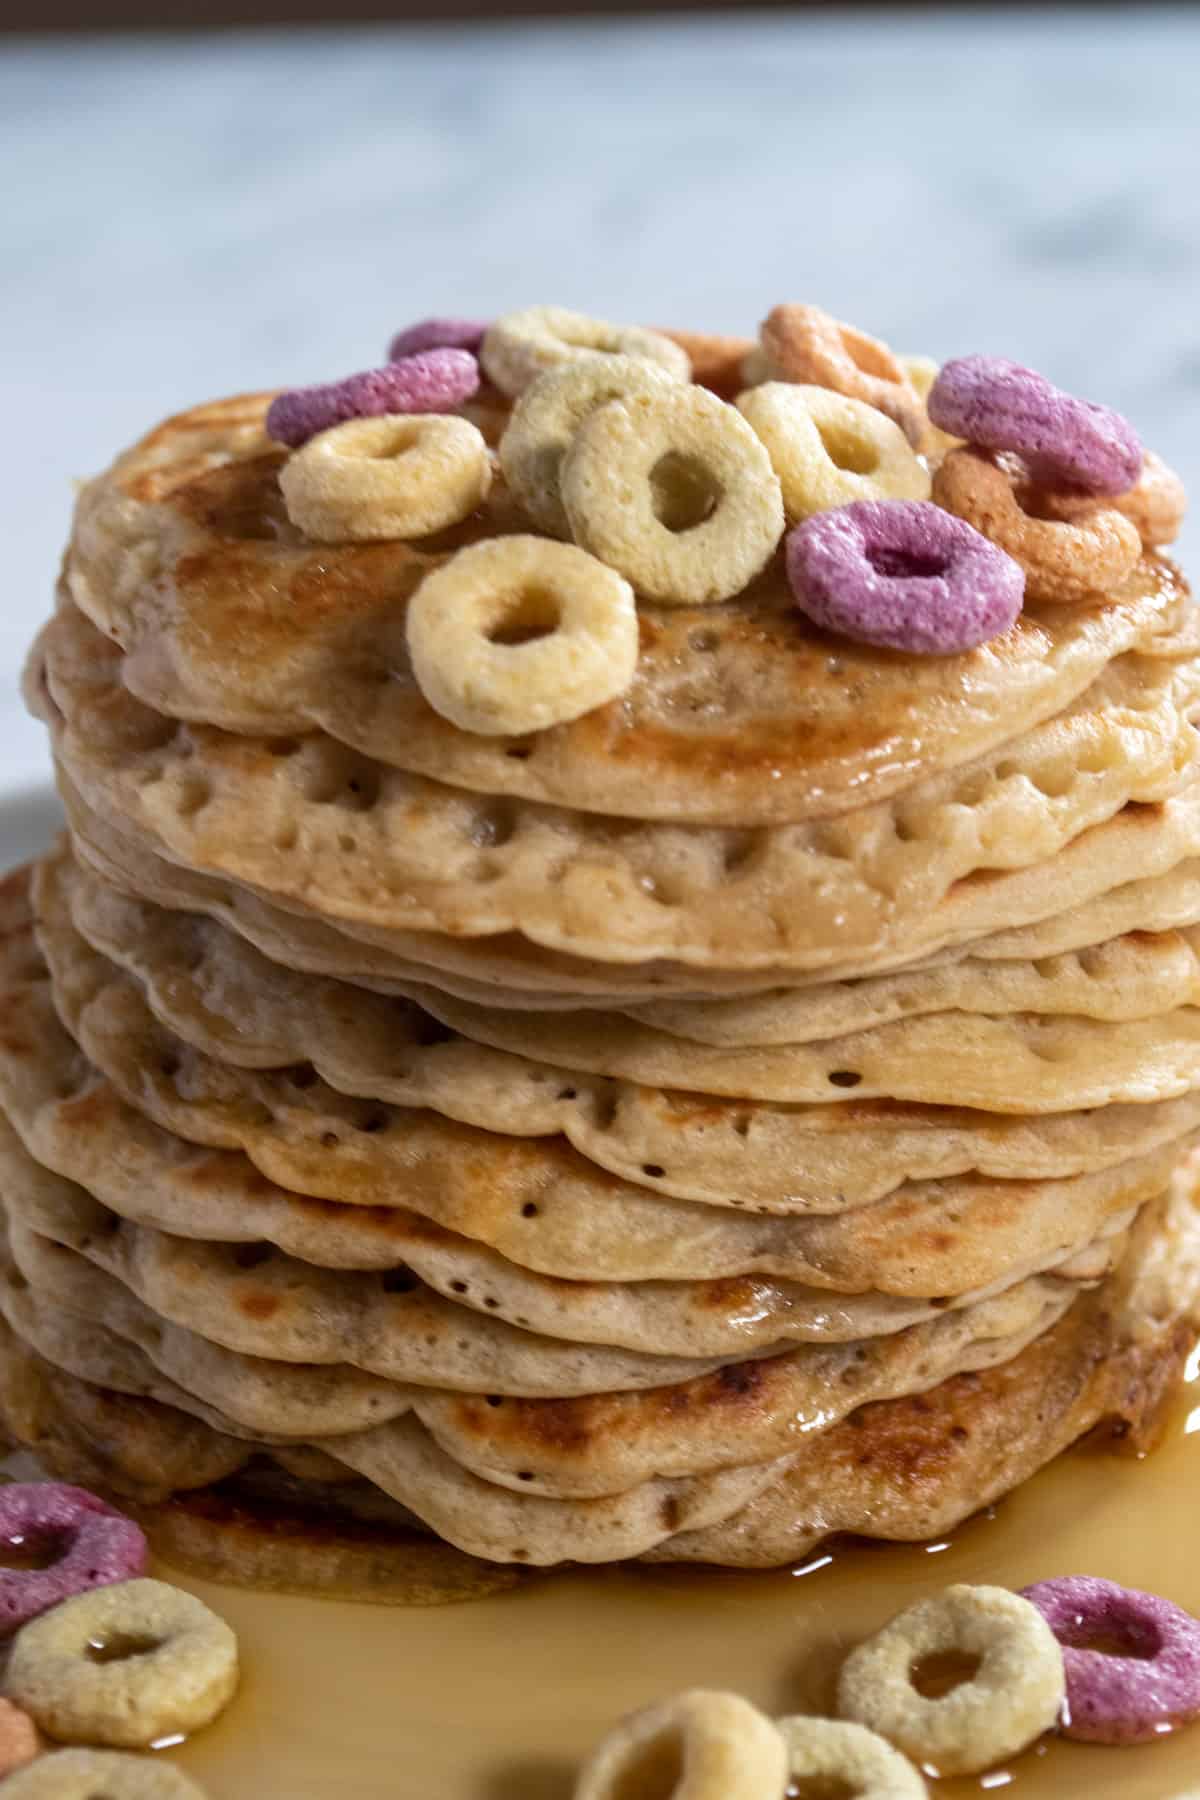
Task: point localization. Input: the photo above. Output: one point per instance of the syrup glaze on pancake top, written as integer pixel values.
(657, 1131)
(741, 715)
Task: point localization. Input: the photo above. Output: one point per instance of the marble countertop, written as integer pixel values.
(185, 217)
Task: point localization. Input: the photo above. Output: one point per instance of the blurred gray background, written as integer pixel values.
(188, 215)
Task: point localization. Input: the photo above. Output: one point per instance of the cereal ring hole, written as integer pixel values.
(821, 1787)
(867, 355)
(683, 492)
(905, 565)
(942, 1671)
(1129, 1638)
(524, 616)
(847, 449)
(655, 1771)
(34, 1549)
(121, 1647)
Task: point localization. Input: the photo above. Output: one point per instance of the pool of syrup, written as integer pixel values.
(498, 1699)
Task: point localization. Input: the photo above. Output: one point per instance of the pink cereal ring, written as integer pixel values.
(905, 575)
(92, 1546)
(1121, 1699)
(432, 381)
(438, 334)
(1001, 405)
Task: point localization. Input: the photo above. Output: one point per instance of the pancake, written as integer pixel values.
(250, 1297)
(899, 1468)
(741, 1155)
(381, 850)
(1134, 976)
(740, 714)
(1159, 841)
(536, 1201)
(235, 1006)
(132, 1170)
(600, 1447)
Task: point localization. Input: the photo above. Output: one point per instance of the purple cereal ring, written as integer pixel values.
(438, 334)
(91, 1545)
(1001, 405)
(905, 575)
(1121, 1699)
(432, 381)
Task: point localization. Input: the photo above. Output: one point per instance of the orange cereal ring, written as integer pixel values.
(803, 343)
(716, 361)
(19, 1739)
(1063, 559)
(1155, 505)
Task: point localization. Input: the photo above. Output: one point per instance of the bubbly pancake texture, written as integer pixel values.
(385, 851)
(739, 715)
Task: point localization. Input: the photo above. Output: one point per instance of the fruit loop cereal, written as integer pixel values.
(829, 450)
(698, 1746)
(1065, 442)
(802, 343)
(549, 413)
(675, 491)
(523, 345)
(437, 334)
(19, 1740)
(124, 1665)
(903, 574)
(94, 1546)
(398, 476)
(833, 1752)
(1063, 560)
(520, 633)
(1114, 1699)
(434, 381)
(99, 1775)
(1015, 1694)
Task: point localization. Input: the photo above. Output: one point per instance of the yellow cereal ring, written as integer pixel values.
(676, 491)
(400, 475)
(1015, 1694)
(520, 633)
(755, 367)
(922, 372)
(550, 412)
(124, 1665)
(523, 345)
(698, 1746)
(100, 1775)
(829, 450)
(834, 1751)
(1063, 560)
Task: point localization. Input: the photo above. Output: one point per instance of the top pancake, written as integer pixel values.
(739, 714)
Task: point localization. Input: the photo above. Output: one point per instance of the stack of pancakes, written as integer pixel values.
(756, 1110)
